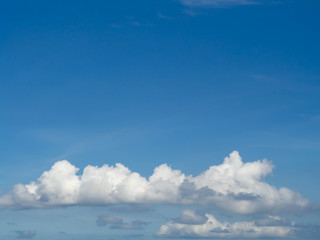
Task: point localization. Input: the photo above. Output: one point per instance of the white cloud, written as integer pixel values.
(234, 186)
(272, 227)
(216, 3)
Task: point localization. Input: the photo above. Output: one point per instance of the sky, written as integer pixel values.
(159, 119)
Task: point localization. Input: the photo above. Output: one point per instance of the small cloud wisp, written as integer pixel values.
(217, 3)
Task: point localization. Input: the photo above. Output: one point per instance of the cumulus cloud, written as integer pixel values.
(216, 3)
(26, 234)
(271, 227)
(234, 186)
(118, 223)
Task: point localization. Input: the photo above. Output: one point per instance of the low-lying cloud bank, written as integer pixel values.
(191, 225)
(233, 186)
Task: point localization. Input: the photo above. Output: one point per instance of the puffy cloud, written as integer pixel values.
(110, 184)
(26, 234)
(58, 186)
(216, 3)
(118, 223)
(240, 187)
(234, 186)
(212, 228)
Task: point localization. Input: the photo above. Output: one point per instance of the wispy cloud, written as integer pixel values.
(190, 12)
(212, 228)
(207, 226)
(119, 223)
(217, 3)
(103, 220)
(163, 16)
(26, 234)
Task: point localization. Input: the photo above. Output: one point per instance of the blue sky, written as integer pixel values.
(145, 83)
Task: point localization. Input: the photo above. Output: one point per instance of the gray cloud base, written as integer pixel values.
(212, 228)
(268, 227)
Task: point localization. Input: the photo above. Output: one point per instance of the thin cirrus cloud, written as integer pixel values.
(233, 186)
(26, 234)
(270, 227)
(217, 3)
(119, 223)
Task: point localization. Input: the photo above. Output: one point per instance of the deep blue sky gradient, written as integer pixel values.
(148, 82)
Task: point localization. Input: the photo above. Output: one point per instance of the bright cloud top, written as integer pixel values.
(271, 227)
(234, 186)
